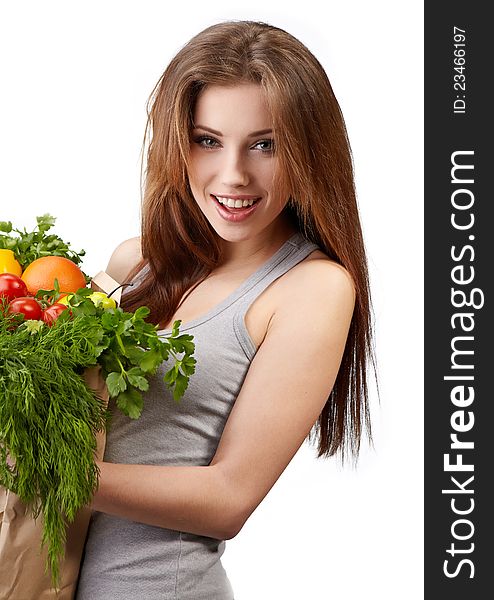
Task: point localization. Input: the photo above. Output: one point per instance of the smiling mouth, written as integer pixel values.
(235, 204)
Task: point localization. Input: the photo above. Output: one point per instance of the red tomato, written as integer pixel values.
(51, 314)
(29, 307)
(12, 286)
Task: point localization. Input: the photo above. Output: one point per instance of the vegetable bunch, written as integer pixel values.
(49, 418)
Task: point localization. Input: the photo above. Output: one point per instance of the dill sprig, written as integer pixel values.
(48, 424)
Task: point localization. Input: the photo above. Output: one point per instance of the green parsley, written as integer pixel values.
(130, 350)
(28, 246)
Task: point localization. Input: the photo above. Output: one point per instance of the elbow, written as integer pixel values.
(234, 527)
(228, 525)
(238, 518)
(232, 519)
(230, 535)
(235, 507)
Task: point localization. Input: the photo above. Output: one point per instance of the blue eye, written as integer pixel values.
(206, 142)
(268, 145)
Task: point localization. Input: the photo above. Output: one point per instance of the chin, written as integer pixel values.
(234, 236)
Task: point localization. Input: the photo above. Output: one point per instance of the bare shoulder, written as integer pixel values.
(316, 287)
(124, 258)
(317, 281)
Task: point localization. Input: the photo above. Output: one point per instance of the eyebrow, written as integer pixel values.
(253, 134)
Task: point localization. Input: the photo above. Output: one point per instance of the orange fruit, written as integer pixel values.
(42, 272)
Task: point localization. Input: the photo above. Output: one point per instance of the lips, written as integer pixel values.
(235, 214)
(226, 201)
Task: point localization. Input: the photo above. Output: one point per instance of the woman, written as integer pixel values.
(251, 237)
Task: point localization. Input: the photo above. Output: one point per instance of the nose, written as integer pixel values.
(234, 169)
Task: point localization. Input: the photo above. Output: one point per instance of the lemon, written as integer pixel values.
(101, 299)
(8, 263)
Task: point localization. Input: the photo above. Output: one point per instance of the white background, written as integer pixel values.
(75, 77)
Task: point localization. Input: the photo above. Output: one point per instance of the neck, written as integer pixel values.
(251, 252)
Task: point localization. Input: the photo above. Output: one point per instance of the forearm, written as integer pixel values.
(192, 499)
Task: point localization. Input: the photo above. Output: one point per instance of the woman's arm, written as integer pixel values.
(285, 389)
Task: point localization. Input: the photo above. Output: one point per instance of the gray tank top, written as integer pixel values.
(124, 559)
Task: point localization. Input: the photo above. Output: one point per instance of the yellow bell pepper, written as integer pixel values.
(8, 263)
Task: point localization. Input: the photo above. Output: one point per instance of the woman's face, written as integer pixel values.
(233, 161)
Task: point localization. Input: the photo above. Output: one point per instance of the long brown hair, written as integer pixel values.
(180, 247)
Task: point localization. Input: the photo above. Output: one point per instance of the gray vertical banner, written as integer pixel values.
(458, 312)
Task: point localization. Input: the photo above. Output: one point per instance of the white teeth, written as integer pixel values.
(231, 203)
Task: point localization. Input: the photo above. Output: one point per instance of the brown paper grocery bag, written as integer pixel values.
(22, 562)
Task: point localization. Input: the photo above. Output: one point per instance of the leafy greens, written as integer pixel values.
(29, 246)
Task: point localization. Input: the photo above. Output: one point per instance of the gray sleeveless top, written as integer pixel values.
(124, 559)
